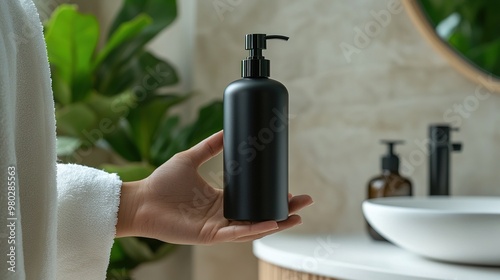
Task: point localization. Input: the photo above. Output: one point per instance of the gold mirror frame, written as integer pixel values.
(465, 67)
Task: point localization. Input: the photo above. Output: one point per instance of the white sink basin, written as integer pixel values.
(453, 229)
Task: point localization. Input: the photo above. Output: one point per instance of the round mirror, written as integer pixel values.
(465, 32)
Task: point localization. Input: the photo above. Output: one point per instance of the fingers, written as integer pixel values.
(233, 232)
(292, 221)
(299, 202)
(243, 231)
(295, 204)
(206, 149)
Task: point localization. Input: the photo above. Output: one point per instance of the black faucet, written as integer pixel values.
(440, 147)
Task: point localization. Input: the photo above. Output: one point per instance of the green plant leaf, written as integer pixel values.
(178, 143)
(121, 143)
(476, 33)
(143, 72)
(164, 250)
(486, 55)
(124, 32)
(76, 120)
(157, 72)
(159, 248)
(117, 253)
(118, 274)
(144, 120)
(130, 172)
(61, 89)
(71, 41)
(112, 107)
(135, 249)
(208, 122)
(120, 264)
(127, 253)
(163, 139)
(163, 13)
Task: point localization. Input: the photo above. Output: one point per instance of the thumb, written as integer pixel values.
(206, 149)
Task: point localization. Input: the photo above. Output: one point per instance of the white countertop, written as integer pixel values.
(357, 257)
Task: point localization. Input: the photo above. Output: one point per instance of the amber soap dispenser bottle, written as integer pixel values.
(390, 182)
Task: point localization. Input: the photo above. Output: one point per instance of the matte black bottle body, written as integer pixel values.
(256, 150)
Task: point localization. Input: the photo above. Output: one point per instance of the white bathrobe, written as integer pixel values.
(61, 217)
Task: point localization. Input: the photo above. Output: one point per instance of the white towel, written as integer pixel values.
(86, 215)
(63, 231)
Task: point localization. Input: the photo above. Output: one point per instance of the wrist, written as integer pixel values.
(127, 210)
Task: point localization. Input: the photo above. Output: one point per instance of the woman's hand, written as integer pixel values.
(175, 204)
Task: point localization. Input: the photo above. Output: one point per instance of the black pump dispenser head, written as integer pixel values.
(255, 65)
(390, 161)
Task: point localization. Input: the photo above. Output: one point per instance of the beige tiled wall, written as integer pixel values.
(393, 86)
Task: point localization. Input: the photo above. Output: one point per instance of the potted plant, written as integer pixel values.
(116, 96)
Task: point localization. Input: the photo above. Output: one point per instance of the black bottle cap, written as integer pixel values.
(255, 65)
(390, 161)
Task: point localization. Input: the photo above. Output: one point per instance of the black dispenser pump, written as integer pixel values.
(390, 161)
(256, 65)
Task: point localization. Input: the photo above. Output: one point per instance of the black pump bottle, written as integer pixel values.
(256, 140)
